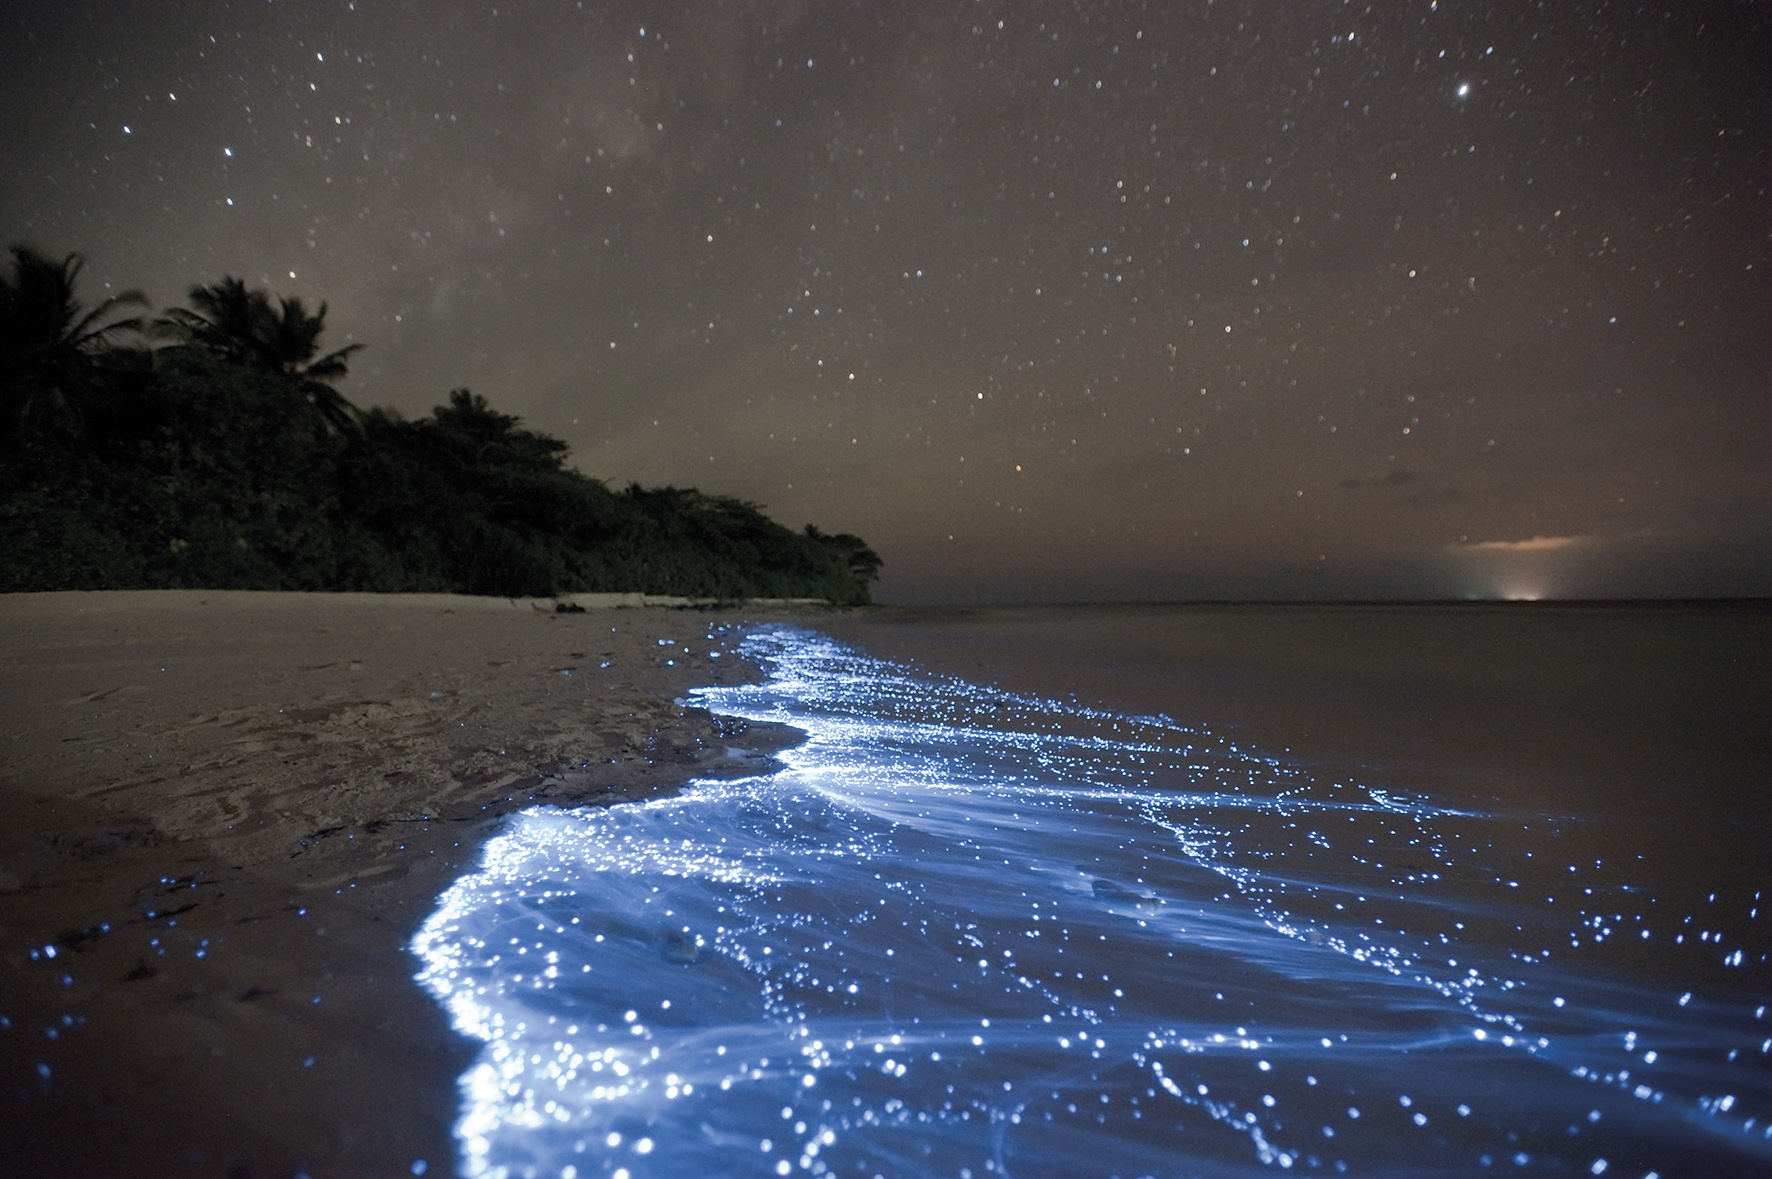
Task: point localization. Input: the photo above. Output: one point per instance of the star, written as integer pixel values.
(1275, 210)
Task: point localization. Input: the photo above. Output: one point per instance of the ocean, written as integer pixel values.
(1155, 891)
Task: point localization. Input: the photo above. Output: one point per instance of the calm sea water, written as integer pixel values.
(967, 931)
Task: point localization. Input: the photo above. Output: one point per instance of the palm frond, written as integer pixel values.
(89, 332)
(331, 367)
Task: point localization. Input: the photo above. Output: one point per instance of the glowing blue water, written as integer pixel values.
(966, 933)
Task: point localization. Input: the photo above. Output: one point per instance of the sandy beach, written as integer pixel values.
(227, 812)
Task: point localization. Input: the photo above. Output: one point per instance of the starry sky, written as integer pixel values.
(1046, 301)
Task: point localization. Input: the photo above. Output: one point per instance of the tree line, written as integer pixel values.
(209, 448)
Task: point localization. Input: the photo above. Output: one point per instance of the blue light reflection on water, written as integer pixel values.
(967, 933)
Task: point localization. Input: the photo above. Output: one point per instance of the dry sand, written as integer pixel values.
(225, 815)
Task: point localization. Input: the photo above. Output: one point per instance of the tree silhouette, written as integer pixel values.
(224, 318)
(244, 326)
(862, 562)
(208, 464)
(52, 353)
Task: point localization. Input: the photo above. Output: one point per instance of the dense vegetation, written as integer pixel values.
(209, 449)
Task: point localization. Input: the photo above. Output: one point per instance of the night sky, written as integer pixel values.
(1045, 301)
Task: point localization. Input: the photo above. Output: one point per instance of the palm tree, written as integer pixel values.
(225, 319)
(50, 349)
(862, 562)
(294, 339)
(245, 327)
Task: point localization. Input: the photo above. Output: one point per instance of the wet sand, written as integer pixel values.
(226, 813)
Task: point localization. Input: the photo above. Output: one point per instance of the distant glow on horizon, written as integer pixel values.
(1529, 570)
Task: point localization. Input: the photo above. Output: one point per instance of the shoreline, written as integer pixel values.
(229, 856)
(230, 810)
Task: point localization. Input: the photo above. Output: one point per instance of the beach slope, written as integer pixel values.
(226, 813)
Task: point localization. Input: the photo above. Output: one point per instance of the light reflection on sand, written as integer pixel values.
(968, 933)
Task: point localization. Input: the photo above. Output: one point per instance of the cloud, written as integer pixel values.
(1432, 497)
(1397, 478)
(1536, 544)
(1414, 490)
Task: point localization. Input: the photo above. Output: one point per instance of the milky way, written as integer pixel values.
(1045, 301)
